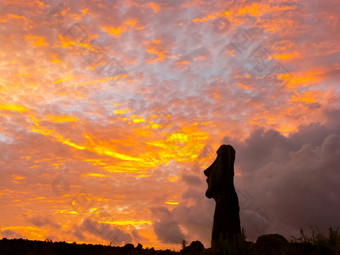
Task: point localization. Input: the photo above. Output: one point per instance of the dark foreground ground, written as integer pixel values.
(265, 245)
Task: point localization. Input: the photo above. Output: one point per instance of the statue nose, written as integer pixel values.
(207, 171)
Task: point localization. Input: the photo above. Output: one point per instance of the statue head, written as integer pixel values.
(221, 173)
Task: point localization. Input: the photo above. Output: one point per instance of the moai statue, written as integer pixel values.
(221, 188)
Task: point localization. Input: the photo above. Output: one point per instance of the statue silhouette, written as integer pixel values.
(221, 188)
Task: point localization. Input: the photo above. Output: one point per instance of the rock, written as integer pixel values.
(270, 244)
(195, 248)
(128, 247)
(221, 188)
(151, 251)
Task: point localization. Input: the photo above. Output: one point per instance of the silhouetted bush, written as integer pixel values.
(316, 244)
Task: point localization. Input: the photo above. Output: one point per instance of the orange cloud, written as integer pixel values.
(94, 175)
(156, 47)
(288, 56)
(204, 19)
(16, 108)
(172, 203)
(183, 63)
(36, 40)
(114, 31)
(155, 7)
(60, 119)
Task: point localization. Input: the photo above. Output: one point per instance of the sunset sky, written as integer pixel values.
(110, 110)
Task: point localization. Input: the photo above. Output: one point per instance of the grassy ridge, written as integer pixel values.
(315, 244)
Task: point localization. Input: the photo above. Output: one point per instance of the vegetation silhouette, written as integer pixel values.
(316, 244)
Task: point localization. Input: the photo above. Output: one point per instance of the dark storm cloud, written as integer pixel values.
(292, 181)
(105, 231)
(191, 179)
(165, 226)
(196, 214)
(79, 234)
(8, 233)
(40, 221)
(137, 237)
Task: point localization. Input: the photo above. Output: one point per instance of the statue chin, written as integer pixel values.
(208, 194)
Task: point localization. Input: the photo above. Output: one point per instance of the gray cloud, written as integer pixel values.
(8, 233)
(195, 214)
(79, 234)
(105, 231)
(292, 181)
(165, 226)
(40, 221)
(191, 179)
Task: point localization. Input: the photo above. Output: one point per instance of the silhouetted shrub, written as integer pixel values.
(195, 248)
(316, 244)
(270, 244)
